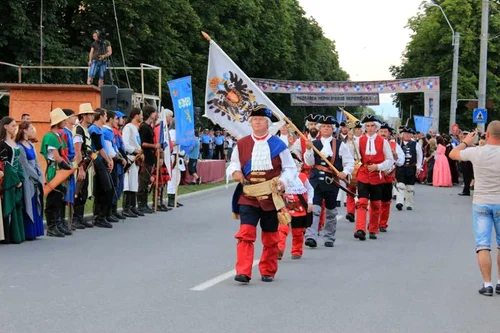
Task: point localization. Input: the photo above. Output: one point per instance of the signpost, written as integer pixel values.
(480, 116)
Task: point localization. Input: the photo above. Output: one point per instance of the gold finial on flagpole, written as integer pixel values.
(207, 37)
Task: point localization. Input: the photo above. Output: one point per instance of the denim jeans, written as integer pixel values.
(485, 218)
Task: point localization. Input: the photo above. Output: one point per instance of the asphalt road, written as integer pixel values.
(138, 277)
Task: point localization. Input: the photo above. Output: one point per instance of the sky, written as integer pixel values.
(370, 36)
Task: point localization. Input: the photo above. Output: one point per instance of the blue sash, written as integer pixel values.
(276, 146)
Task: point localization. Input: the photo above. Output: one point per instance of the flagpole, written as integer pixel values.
(158, 151)
(289, 122)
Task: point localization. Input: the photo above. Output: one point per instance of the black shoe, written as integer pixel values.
(329, 244)
(102, 223)
(129, 213)
(280, 254)
(486, 291)
(54, 232)
(119, 216)
(409, 208)
(165, 208)
(145, 210)
(78, 225)
(87, 224)
(383, 229)
(296, 257)
(198, 181)
(136, 211)
(242, 278)
(393, 197)
(61, 226)
(497, 289)
(311, 243)
(267, 278)
(464, 194)
(360, 234)
(112, 219)
(373, 236)
(399, 206)
(350, 217)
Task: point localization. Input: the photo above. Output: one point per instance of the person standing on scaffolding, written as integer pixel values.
(100, 50)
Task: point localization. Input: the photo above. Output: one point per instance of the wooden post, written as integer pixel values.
(323, 157)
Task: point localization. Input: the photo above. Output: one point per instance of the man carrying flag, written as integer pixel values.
(259, 161)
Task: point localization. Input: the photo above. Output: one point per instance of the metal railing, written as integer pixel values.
(142, 68)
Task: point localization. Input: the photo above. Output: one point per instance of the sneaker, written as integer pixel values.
(486, 291)
(399, 206)
(497, 289)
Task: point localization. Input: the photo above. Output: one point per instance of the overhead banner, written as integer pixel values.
(423, 84)
(181, 91)
(334, 99)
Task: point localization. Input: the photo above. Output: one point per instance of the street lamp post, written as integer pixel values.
(483, 58)
(454, 79)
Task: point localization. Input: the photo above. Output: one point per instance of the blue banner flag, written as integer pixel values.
(181, 91)
(422, 124)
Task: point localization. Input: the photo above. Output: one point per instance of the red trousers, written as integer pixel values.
(384, 214)
(297, 239)
(268, 264)
(351, 204)
(373, 224)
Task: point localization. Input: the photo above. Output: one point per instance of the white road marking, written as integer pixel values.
(218, 279)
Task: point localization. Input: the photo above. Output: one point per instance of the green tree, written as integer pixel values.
(430, 53)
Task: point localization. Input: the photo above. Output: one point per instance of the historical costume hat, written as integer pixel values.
(328, 120)
(57, 116)
(386, 126)
(313, 117)
(86, 108)
(263, 111)
(407, 129)
(357, 124)
(370, 118)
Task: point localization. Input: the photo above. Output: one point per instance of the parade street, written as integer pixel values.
(173, 272)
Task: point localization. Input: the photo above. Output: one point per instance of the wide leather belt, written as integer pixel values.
(261, 191)
(323, 168)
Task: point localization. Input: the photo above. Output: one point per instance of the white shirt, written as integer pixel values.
(344, 153)
(401, 155)
(131, 138)
(288, 167)
(284, 138)
(370, 150)
(297, 147)
(310, 192)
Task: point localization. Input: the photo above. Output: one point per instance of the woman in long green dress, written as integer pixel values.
(12, 182)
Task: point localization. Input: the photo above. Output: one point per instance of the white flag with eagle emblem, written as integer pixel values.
(231, 95)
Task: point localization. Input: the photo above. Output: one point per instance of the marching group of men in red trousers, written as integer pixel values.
(291, 186)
